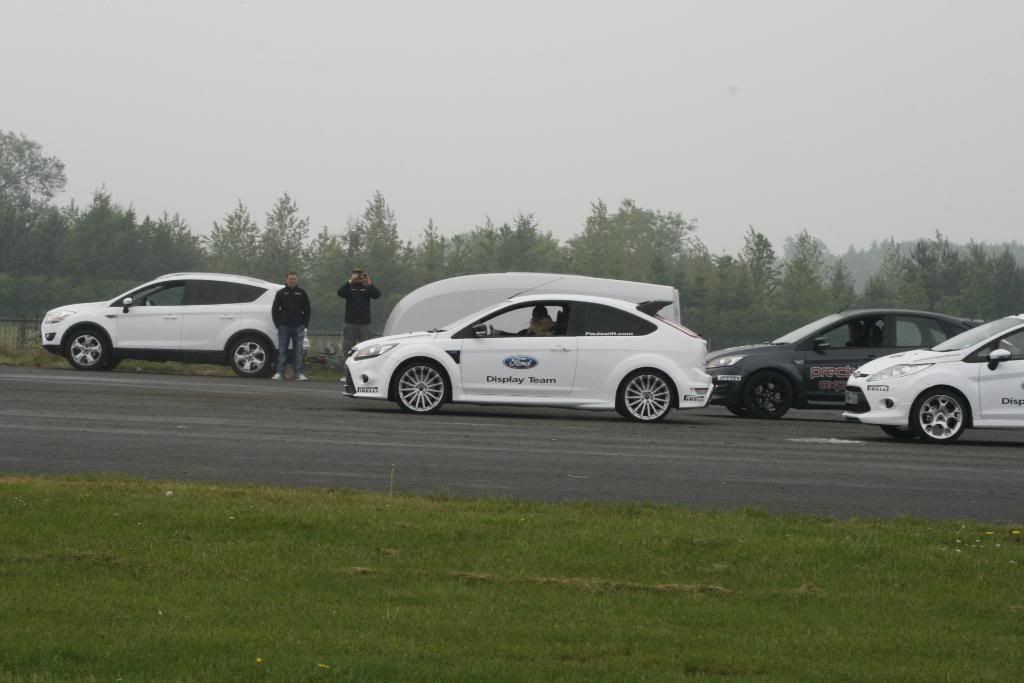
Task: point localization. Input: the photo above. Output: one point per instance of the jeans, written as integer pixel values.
(295, 335)
(355, 333)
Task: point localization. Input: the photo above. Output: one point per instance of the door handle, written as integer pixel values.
(560, 348)
(170, 317)
(228, 317)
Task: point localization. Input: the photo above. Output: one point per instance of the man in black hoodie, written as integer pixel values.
(357, 293)
(291, 313)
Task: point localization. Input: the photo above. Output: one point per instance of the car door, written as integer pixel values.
(1001, 389)
(212, 314)
(153, 321)
(510, 362)
(849, 344)
(606, 336)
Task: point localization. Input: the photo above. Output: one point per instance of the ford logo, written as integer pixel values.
(520, 362)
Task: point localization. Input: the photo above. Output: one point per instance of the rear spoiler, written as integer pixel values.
(652, 307)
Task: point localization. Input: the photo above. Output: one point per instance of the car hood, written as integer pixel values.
(748, 350)
(395, 338)
(915, 357)
(78, 308)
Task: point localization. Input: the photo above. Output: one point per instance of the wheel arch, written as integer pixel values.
(74, 329)
(648, 368)
(791, 374)
(247, 333)
(392, 380)
(953, 389)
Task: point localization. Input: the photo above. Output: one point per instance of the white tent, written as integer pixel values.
(438, 303)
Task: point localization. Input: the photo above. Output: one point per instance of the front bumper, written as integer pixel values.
(727, 390)
(875, 404)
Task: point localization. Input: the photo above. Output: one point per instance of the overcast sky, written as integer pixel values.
(853, 120)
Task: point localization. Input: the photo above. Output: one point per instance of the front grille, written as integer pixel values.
(856, 402)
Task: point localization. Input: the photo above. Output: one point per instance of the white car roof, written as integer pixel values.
(227, 277)
(441, 302)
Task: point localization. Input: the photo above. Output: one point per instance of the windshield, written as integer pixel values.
(801, 332)
(976, 335)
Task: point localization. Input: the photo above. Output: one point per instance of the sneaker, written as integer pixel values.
(278, 376)
(301, 378)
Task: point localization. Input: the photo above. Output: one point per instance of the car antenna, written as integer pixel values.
(530, 289)
(844, 307)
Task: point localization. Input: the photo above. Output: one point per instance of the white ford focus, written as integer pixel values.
(567, 351)
(975, 379)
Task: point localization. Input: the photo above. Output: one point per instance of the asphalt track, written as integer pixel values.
(307, 434)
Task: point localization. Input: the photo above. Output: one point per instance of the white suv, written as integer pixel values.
(197, 317)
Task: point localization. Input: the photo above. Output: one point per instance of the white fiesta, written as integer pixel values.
(975, 379)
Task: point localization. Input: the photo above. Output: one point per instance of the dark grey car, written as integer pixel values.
(808, 367)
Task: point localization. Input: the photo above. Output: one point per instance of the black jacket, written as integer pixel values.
(291, 307)
(357, 297)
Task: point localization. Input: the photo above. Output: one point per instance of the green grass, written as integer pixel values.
(110, 579)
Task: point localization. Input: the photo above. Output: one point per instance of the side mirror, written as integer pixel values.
(126, 303)
(997, 356)
(822, 343)
(480, 330)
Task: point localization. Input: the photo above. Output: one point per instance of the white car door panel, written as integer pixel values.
(519, 366)
(1002, 392)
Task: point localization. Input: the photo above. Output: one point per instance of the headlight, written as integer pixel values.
(373, 351)
(724, 361)
(897, 371)
(57, 316)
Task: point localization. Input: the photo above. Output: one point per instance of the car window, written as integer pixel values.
(597, 320)
(213, 292)
(161, 294)
(529, 320)
(1014, 343)
(976, 335)
(917, 332)
(857, 333)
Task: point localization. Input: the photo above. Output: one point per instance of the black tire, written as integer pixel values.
(768, 395)
(899, 433)
(645, 396)
(737, 411)
(939, 415)
(251, 356)
(87, 348)
(421, 387)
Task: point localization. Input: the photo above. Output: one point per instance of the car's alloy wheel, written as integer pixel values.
(250, 357)
(939, 416)
(645, 396)
(899, 433)
(87, 350)
(767, 395)
(420, 388)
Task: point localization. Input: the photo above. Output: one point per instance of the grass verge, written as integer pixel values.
(107, 578)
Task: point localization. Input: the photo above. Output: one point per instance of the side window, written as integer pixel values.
(596, 320)
(857, 333)
(530, 320)
(213, 292)
(1014, 343)
(163, 294)
(915, 332)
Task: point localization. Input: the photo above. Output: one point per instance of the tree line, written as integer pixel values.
(52, 255)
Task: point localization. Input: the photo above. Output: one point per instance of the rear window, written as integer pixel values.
(213, 292)
(596, 320)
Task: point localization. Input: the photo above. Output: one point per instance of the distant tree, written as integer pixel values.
(430, 256)
(799, 296)
(168, 247)
(759, 259)
(282, 243)
(103, 243)
(27, 176)
(233, 245)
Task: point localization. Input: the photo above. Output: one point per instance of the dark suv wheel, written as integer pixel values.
(767, 395)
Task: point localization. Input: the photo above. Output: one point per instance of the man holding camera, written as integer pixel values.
(357, 293)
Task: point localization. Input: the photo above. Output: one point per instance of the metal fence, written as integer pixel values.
(19, 334)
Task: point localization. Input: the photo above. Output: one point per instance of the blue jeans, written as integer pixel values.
(295, 335)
